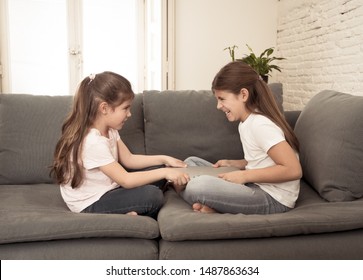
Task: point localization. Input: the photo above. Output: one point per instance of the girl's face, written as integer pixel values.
(117, 117)
(233, 105)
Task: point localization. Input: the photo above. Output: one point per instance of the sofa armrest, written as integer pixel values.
(291, 117)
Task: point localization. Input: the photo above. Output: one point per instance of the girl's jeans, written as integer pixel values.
(145, 200)
(227, 197)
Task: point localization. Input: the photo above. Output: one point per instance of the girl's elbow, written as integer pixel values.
(126, 182)
(293, 172)
(298, 173)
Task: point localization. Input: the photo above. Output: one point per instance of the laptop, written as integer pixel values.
(195, 171)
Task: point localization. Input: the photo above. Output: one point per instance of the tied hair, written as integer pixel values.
(91, 77)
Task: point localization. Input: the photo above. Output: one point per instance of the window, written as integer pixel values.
(49, 46)
(37, 44)
(110, 40)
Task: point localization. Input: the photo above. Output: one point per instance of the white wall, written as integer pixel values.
(203, 28)
(323, 43)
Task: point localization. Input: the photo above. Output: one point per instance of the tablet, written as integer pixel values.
(195, 171)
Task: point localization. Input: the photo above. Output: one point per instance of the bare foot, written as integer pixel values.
(198, 207)
(132, 213)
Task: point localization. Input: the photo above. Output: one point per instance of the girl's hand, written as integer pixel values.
(174, 162)
(239, 163)
(222, 162)
(234, 177)
(176, 177)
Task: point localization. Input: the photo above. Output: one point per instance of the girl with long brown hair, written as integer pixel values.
(90, 158)
(268, 179)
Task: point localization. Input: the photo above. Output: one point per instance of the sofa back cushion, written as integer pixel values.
(132, 133)
(330, 131)
(30, 127)
(276, 89)
(187, 123)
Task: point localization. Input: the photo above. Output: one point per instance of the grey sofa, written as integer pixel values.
(327, 222)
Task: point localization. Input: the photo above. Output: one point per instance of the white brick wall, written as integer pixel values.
(322, 41)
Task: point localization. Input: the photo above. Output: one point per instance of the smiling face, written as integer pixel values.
(109, 117)
(233, 105)
(117, 117)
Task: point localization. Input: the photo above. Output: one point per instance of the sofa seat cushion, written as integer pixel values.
(346, 245)
(330, 131)
(178, 222)
(38, 213)
(107, 248)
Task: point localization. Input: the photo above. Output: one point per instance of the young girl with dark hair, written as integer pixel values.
(269, 177)
(90, 158)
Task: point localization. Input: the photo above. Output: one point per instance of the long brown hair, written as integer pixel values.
(103, 87)
(237, 75)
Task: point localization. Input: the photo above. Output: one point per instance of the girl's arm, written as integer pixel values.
(130, 180)
(287, 168)
(132, 161)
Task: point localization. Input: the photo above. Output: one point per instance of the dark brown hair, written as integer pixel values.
(238, 75)
(103, 87)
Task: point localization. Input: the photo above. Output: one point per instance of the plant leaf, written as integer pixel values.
(262, 63)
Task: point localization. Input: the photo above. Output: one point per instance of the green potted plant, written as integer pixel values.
(262, 63)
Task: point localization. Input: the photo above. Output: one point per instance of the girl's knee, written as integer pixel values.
(196, 161)
(190, 161)
(153, 200)
(154, 194)
(201, 182)
(198, 186)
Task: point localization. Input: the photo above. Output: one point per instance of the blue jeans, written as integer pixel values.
(227, 197)
(145, 200)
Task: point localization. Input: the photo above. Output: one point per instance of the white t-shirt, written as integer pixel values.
(258, 134)
(97, 151)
